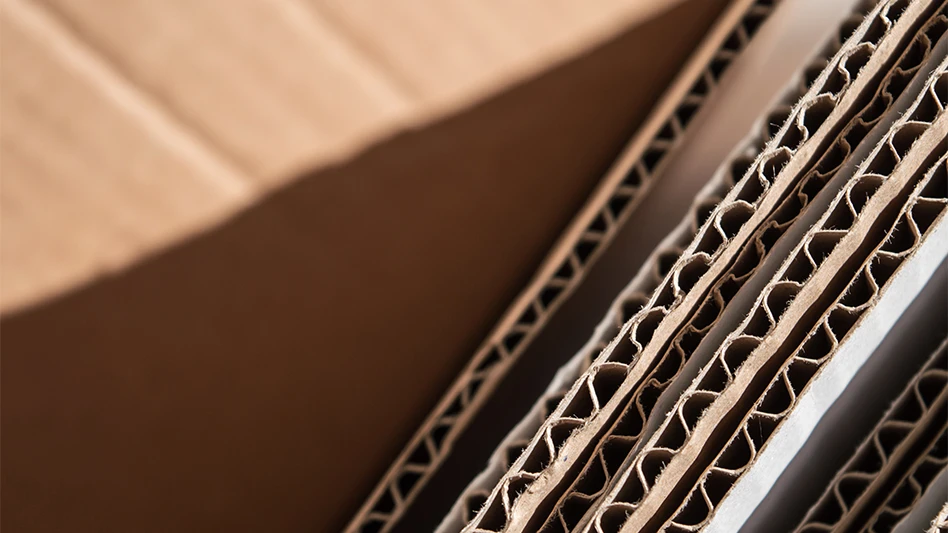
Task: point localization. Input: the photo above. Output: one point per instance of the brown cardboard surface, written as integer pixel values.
(785, 306)
(444, 51)
(208, 388)
(271, 86)
(91, 170)
(248, 94)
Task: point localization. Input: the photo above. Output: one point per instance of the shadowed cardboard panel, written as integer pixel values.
(84, 83)
(262, 376)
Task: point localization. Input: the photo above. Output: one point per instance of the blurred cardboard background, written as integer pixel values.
(131, 124)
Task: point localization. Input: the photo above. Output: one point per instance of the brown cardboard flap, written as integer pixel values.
(159, 120)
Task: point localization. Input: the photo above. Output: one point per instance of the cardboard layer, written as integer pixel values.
(795, 30)
(925, 508)
(921, 476)
(672, 373)
(816, 271)
(245, 382)
(685, 286)
(629, 301)
(175, 115)
(819, 373)
(858, 495)
(632, 297)
(590, 232)
(636, 293)
(865, 398)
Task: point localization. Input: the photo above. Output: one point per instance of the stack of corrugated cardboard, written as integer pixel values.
(741, 328)
(768, 334)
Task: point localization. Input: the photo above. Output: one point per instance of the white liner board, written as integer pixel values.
(907, 284)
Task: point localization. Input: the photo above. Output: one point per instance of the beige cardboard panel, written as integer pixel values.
(92, 175)
(272, 84)
(451, 51)
(272, 88)
(437, 50)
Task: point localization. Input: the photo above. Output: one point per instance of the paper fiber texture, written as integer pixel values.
(917, 513)
(940, 523)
